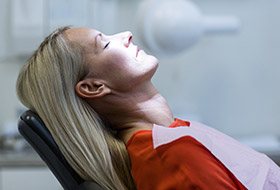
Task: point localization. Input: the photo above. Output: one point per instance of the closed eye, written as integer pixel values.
(106, 45)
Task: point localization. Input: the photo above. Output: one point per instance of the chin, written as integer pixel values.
(152, 59)
(154, 65)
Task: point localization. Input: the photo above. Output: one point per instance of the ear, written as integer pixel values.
(91, 88)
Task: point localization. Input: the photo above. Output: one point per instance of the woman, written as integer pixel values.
(95, 95)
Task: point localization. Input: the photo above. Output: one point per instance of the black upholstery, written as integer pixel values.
(34, 131)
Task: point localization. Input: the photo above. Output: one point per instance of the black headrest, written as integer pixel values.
(32, 128)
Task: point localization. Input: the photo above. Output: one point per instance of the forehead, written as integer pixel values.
(83, 36)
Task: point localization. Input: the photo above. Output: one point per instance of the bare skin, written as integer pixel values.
(118, 84)
(134, 111)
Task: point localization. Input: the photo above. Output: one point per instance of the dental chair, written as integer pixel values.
(32, 128)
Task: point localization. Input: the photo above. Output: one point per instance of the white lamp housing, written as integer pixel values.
(168, 27)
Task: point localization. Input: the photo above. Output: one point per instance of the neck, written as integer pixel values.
(137, 110)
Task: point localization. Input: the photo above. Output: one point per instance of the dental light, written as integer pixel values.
(168, 27)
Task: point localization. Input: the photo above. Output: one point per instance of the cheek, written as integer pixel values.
(117, 69)
(124, 71)
(120, 63)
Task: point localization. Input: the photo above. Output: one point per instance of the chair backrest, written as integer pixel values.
(32, 128)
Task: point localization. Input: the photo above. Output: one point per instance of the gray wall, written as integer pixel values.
(9, 103)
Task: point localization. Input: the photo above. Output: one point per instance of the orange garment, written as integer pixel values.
(182, 164)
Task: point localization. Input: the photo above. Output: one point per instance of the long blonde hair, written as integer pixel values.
(46, 85)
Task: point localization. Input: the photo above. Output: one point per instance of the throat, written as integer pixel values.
(143, 118)
(129, 112)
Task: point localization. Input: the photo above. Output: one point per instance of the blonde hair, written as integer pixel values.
(46, 85)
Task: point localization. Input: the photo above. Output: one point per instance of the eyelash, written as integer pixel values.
(106, 45)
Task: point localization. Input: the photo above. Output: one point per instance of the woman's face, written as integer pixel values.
(114, 58)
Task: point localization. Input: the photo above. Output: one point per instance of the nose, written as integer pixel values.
(127, 38)
(124, 37)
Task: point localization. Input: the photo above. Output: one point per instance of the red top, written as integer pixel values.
(182, 164)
